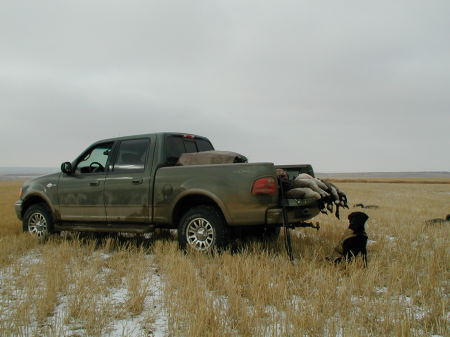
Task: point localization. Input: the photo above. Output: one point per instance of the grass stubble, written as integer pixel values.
(83, 287)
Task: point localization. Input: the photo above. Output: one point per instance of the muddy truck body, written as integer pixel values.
(131, 184)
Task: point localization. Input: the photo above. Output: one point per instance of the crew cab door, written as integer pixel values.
(127, 185)
(81, 193)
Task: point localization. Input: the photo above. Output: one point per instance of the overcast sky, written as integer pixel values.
(342, 85)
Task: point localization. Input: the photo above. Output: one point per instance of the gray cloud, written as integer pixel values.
(350, 88)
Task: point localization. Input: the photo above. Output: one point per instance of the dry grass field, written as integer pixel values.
(76, 286)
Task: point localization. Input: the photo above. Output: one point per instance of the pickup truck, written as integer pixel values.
(132, 184)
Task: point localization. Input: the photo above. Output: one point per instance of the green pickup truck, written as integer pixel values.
(132, 184)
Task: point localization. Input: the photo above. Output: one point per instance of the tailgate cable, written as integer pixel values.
(287, 232)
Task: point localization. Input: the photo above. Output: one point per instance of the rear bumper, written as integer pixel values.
(274, 216)
(18, 208)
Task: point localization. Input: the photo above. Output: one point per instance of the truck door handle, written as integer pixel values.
(137, 181)
(94, 183)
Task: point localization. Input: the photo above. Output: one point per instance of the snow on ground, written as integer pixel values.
(151, 322)
(154, 306)
(391, 238)
(12, 295)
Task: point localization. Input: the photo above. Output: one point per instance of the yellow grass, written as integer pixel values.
(254, 291)
(9, 194)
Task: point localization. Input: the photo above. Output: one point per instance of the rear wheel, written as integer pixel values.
(38, 221)
(202, 229)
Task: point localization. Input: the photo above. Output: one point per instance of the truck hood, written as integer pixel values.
(40, 179)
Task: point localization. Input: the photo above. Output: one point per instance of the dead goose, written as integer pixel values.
(303, 193)
(439, 220)
(327, 194)
(332, 190)
(366, 206)
(319, 182)
(343, 201)
(305, 176)
(309, 183)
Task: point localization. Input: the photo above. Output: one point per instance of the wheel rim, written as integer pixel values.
(37, 224)
(200, 234)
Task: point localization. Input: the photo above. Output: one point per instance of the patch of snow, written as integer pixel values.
(104, 255)
(161, 317)
(34, 256)
(124, 328)
(56, 323)
(390, 238)
(418, 312)
(221, 301)
(355, 299)
(11, 295)
(381, 290)
(152, 321)
(406, 300)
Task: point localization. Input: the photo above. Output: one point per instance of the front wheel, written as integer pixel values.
(202, 229)
(37, 221)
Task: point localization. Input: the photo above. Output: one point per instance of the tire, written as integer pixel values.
(202, 229)
(38, 221)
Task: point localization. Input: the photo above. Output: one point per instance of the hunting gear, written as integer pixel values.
(308, 188)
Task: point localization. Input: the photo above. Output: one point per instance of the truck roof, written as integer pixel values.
(145, 135)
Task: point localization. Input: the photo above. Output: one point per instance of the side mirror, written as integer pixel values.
(66, 168)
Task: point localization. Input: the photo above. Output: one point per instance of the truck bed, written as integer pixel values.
(228, 185)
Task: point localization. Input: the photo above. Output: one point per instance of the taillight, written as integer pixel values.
(189, 136)
(267, 185)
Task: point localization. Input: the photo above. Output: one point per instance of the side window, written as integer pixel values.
(131, 156)
(95, 159)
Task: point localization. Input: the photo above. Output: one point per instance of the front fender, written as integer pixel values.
(37, 195)
(42, 188)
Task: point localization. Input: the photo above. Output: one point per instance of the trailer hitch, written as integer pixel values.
(308, 224)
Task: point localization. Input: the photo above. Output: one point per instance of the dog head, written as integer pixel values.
(357, 221)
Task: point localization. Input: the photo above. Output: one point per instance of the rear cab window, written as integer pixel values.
(176, 145)
(203, 145)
